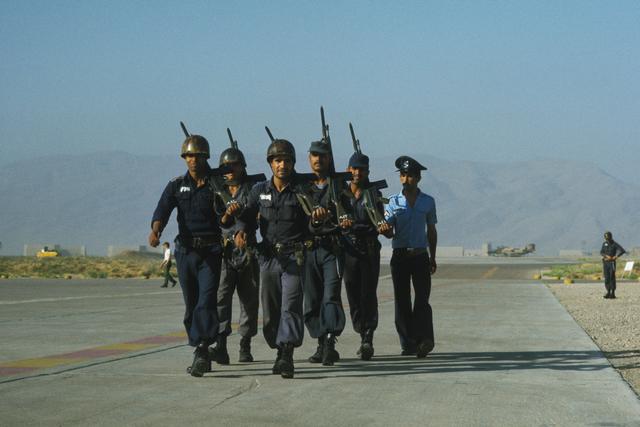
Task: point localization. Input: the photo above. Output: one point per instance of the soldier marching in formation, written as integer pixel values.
(240, 269)
(315, 229)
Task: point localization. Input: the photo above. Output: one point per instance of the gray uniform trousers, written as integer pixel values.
(282, 320)
(246, 279)
(323, 310)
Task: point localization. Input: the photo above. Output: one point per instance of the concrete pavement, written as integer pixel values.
(507, 353)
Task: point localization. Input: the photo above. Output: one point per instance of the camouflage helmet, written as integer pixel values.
(195, 144)
(232, 155)
(281, 147)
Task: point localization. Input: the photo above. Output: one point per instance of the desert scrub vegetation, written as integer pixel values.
(127, 265)
(589, 271)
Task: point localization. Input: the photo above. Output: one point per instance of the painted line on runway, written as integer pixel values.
(140, 294)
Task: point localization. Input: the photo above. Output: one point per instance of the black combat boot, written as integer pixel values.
(245, 350)
(366, 348)
(276, 365)
(607, 295)
(219, 354)
(424, 348)
(409, 349)
(285, 364)
(317, 356)
(613, 295)
(329, 353)
(201, 362)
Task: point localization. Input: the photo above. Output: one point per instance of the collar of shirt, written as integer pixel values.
(402, 199)
(272, 188)
(192, 182)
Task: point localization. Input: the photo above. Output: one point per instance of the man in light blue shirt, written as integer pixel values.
(408, 213)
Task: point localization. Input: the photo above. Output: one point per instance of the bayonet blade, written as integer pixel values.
(356, 142)
(269, 133)
(184, 129)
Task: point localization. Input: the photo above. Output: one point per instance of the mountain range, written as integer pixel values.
(107, 198)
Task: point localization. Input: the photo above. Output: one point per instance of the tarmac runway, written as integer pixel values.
(112, 352)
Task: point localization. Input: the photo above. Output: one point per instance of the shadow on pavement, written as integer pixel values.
(387, 365)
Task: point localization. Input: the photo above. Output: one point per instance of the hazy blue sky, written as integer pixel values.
(477, 80)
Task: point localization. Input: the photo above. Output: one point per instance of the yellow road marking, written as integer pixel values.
(125, 346)
(44, 362)
(490, 273)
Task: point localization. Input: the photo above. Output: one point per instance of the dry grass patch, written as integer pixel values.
(127, 265)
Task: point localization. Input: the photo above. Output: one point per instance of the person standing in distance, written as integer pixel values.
(610, 252)
(240, 270)
(197, 247)
(166, 266)
(411, 262)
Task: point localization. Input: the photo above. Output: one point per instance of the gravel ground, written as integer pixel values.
(614, 325)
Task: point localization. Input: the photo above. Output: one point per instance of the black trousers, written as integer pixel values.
(323, 310)
(361, 282)
(413, 323)
(609, 271)
(199, 274)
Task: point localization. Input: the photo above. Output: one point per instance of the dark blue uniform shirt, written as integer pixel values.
(612, 249)
(282, 219)
(196, 212)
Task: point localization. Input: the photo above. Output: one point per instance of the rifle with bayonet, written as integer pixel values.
(370, 197)
(219, 186)
(335, 180)
(252, 179)
(220, 171)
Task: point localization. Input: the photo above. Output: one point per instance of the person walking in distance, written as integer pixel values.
(166, 266)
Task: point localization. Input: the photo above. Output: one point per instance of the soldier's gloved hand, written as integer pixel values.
(154, 239)
(233, 209)
(319, 214)
(240, 239)
(433, 266)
